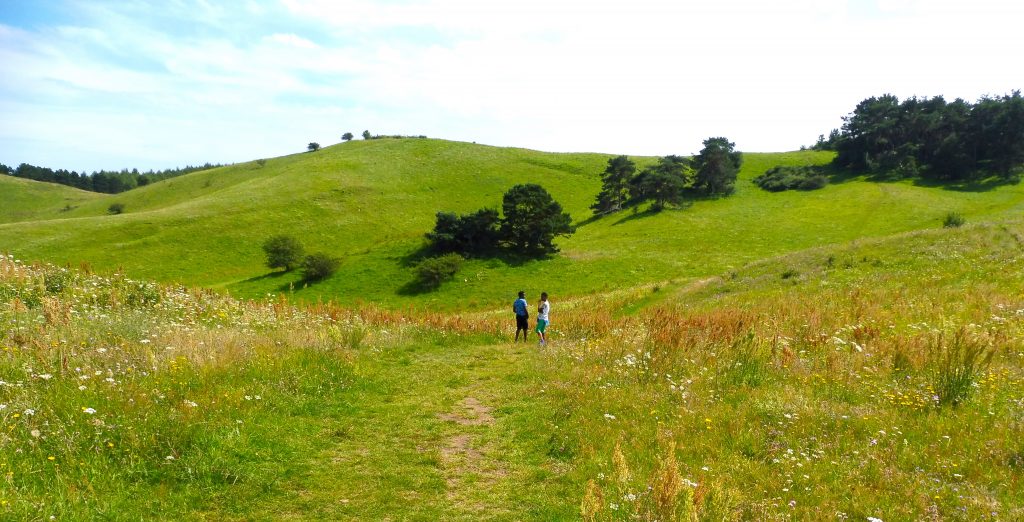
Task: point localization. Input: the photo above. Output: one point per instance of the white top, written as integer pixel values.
(544, 308)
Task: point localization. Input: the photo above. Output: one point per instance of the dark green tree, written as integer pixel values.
(468, 234)
(662, 183)
(347, 136)
(367, 135)
(716, 167)
(283, 252)
(319, 266)
(532, 219)
(614, 185)
(313, 146)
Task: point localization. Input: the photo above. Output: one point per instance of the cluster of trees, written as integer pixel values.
(348, 136)
(530, 220)
(109, 182)
(712, 172)
(932, 138)
(286, 252)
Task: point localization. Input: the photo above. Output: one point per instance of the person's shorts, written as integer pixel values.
(522, 322)
(541, 325)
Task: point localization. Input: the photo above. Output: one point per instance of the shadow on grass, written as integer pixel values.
(652, 211)
(416, 287)
(277, 274)
(837, 175)
(977, 185)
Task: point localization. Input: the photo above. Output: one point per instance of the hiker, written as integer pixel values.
(522, 316)
(542, 317)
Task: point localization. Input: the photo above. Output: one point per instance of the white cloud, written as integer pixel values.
(644, 77)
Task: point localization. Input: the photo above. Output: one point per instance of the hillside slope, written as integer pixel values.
(369, 202)
(27, 200)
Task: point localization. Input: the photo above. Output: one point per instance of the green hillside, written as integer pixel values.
(25, 200)
(369, 202)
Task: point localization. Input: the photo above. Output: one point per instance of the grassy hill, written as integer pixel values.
(26, 200)
(834, 382)
(369, 202)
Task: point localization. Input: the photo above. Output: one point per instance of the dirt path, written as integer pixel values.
(438, 433)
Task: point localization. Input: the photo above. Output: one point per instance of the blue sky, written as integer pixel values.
(95, 84)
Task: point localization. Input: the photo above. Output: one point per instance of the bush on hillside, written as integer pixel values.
(313, 146)
(431, 272)
(777, 179)
(283, 252)
(953, 220)
(319, 266)
(115, 208)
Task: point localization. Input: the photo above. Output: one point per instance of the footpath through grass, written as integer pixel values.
(434, 432)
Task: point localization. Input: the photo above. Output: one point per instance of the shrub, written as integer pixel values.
(313, 146)
(115, 208)
(777, 179)
(956, 363)
(261, 162)
(319, 266)
(283, 252)
(433, 271)
(953, 220)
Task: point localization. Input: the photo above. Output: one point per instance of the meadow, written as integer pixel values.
(370, 202)
(874, 378)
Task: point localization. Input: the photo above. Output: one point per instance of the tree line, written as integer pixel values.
(671, 179)
(933, 139)
(106, 181)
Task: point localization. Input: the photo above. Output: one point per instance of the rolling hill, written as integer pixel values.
(370, 202)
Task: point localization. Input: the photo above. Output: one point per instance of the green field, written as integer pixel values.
(825, 355)
(370, 202)
(805, 387)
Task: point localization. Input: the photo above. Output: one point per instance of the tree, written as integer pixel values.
(532, 219)
(467, 234)
(663, 182)
(313, 146)
(717, 165)
(319, 266)
(283, 252)
(614, 185)
(367, 135)
(347, 136)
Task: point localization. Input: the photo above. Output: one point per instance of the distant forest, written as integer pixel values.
(932, 139)
(106, 181)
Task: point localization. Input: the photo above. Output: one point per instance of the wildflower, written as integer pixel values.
(51, 458)
(29, 412)
(90, 411)
(81, 388)
(609, 416)
(35, 433)
(169, 457)
(874, 519)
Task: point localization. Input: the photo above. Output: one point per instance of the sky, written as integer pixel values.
(89, 85)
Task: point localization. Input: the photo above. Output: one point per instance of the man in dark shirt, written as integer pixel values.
(522, 315)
